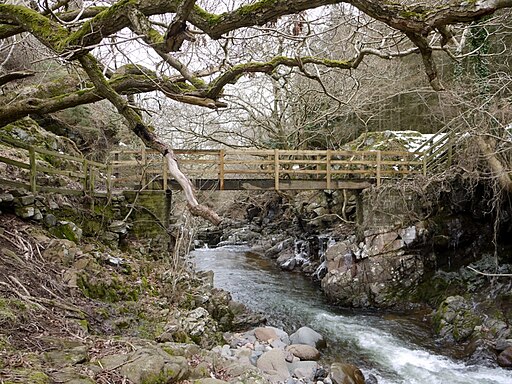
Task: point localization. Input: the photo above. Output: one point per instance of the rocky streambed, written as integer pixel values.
(387, 347)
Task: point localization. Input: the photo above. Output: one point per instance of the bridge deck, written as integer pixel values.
(269, 184)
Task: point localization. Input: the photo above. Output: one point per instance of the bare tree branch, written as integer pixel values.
(4, 79)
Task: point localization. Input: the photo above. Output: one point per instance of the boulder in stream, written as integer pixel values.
(306, 335)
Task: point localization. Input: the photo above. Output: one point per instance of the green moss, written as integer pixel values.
(163, 377)
(38, 378)
(210, 18)
(49, 32)
(251, 9)
(412, 15)
(110, 291)
(155, 37)
(111, 14)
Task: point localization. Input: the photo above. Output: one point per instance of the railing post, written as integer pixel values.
(276, 169)
(328, 169)
(164, 173)
(450, 150)
(109, 179)
(116, 159)
(221, 169)
(144, 160)
(379, 159)
(92, 179)
(33, 169)
(86, 175)
(425, 164)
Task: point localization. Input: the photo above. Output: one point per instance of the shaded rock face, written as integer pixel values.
(365, 274)
(505, 358)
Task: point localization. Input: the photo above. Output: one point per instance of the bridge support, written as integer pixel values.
(150, 217)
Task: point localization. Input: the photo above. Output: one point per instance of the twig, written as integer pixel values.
(490, 274)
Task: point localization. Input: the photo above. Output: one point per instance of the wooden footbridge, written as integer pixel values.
(42, 170)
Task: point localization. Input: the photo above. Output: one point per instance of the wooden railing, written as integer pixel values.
(437, 152)
(277, 165)
(140, 168)
(31, 171)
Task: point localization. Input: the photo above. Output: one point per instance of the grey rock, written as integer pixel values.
(265, 334)
(24, 212)
(110, 362)
(255, 355)
(118, 226)
(303, 369)
(61, 251)
(50, 220)
(6, 198)
(154, 364)
(209, 380)
(502, 344)
(25, 200)
(279, 247)
(306, 335)
(283, 336)
(304, 351)
(37, 215)
(69, 375)
(346, 374)
(67, 357)
(273, 363)
(278, 344)
(110, 238)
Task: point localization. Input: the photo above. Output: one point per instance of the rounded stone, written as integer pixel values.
(505, 358)
(306, 335)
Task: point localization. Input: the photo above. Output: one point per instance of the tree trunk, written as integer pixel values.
(501, 173)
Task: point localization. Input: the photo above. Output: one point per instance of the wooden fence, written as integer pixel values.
(43, 170)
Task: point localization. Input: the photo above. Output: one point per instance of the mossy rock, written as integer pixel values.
(111, 289)
(67, 230)
(27, 376)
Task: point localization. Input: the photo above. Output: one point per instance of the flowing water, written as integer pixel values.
(397, 350)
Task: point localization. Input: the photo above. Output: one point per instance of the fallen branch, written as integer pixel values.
(490, 274)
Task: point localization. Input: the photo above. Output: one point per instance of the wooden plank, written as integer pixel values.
(57, 154)
(14, 184)
(16, 163)
(54, 171)
(63, 191)
(248, 171)
(14, 142)
(269, 184)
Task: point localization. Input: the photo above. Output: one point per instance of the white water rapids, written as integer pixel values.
(397, 350)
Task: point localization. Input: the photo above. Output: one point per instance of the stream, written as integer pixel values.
(394, 348)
